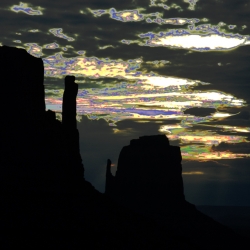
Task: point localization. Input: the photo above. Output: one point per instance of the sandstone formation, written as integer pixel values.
(149, 181)
(148, 175)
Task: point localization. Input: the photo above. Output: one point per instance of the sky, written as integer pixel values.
(179, 68)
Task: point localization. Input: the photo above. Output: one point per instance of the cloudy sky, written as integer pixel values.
(179, 68)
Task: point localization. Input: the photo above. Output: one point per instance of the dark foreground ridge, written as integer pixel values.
(45, 201)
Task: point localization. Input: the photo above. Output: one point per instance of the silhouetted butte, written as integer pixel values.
(149, 181)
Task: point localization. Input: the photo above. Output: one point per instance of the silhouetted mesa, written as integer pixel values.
(148, 175)
(149, 181)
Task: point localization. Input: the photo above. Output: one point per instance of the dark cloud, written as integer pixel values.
(224, 182)
(237, 118)
(240, 148)
(200, 111)
(245, 115)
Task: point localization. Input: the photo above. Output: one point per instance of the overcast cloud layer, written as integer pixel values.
(180, 68)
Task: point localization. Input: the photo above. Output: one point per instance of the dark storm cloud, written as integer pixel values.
(240, 118)
(240, 148)
(200, 111)
(245, 115)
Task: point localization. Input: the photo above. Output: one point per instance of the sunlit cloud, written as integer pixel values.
(51, 46)
(58, 32)
(234, 128)
(192, 4)
(207, 139)
(34, 49)
(34, 30)
(193, 173)
(202, 153)
(23, 7)
(195, 42)
(161, 3)
(123, 16)
(148, 96)
(174, 21)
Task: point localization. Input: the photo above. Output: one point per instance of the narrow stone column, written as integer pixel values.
(69, 103)
(75, 170)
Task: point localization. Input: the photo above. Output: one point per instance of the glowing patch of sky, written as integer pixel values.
(51, 46)
(230, 128)
(148, 96)
(80, 52)
(193, 173)
(187, 137)
(58, 32)
(174, 21)
(135, 16)
(98, 12)
(184, 39)
(201, 153)
(200, 142)
(34, 49)
(161, 4)
(23, 7)
(123, 16)
(192, 3)
(107, 46)
(34, 30)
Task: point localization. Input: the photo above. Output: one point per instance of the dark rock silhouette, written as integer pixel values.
(148, 174)
(149, 181)
(45, 201)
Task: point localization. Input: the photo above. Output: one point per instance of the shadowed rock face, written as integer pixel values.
(38, 152)
(149, 181)
(148, 175)
(22, 86)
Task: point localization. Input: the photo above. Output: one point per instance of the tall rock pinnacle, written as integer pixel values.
(69, 103)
